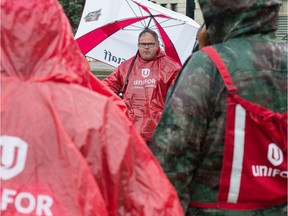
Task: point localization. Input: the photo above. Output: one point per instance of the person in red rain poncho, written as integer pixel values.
(151, 74)
(66, 150)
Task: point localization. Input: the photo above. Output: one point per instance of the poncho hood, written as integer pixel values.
(53, 54)
(227, 19)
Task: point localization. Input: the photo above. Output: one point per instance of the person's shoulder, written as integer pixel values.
(126, 62)
(98, 104)
(85, 95)
(199, 62)
(91, 109)
(170, 62)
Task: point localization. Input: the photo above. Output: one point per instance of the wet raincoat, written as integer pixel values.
(146, 90)
(96, 85)
(66, 150)
(190, 136)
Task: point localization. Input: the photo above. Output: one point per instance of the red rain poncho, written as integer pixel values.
(58, 137)
(96, 85)
(146, 90)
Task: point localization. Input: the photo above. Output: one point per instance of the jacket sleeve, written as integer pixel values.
(98, 86)
(182, 127)
(175, 73)
(114, 81)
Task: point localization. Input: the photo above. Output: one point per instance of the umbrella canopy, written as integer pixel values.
(109, 30)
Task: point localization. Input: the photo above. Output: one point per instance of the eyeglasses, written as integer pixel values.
(143, 45)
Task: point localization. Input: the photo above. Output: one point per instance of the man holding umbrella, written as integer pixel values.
(143, 80)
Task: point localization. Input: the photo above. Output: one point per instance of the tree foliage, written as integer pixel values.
(73, 10)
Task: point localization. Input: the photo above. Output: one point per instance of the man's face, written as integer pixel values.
(147, 46)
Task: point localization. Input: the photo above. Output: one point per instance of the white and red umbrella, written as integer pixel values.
(109, 30)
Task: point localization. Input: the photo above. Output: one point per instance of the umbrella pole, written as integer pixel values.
(120, 94)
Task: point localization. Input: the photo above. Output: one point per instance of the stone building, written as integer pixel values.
(186, 7)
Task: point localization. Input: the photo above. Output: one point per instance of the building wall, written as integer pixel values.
(181, 8)
(181, 4)
(284, 8)
(282, 31)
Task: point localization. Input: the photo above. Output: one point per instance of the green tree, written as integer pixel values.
(73, 10)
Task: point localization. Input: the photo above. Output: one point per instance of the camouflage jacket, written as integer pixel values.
(189, 138)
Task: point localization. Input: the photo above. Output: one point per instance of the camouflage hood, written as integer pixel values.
(227, 19)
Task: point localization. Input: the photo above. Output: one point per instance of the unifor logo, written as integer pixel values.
(275, 154)
(13, 151)
(145, 72)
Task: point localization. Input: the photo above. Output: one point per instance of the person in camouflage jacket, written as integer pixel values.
(189, 138)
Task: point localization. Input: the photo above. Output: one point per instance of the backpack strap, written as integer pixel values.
(120, 93)
(250, 128)
(252, 107)
(211, 52)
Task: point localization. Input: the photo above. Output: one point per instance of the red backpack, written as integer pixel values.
(254, 169)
